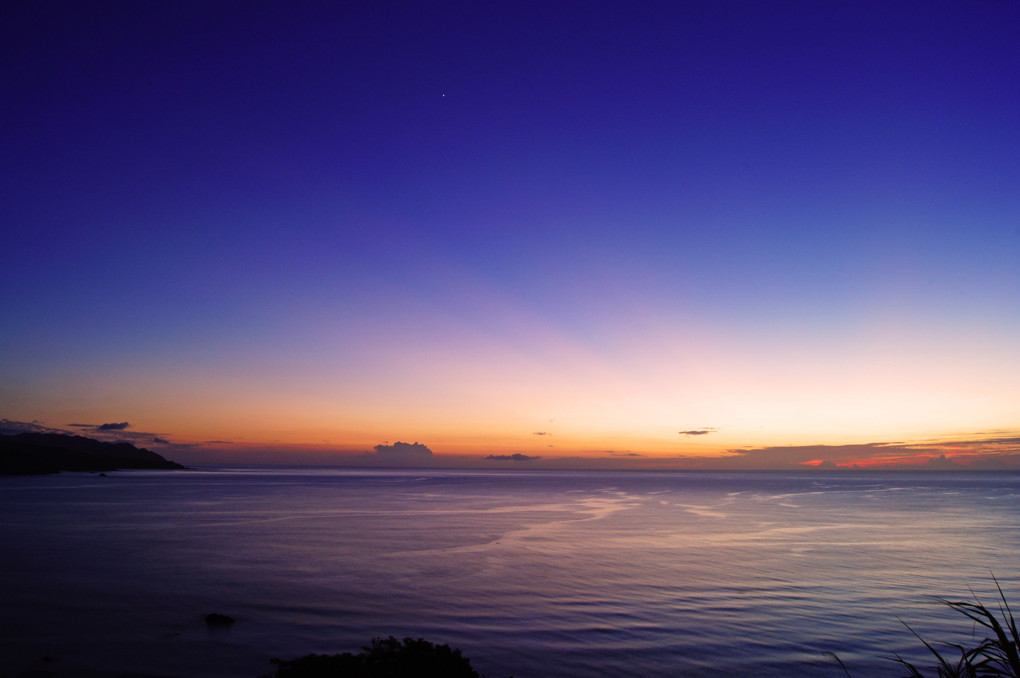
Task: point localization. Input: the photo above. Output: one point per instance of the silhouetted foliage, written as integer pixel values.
(996, 656)
(384, 658)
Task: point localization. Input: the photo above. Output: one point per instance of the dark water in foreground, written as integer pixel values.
(536, 575)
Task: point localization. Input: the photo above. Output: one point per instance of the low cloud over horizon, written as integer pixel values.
(400, 453)
(512, 457)
(992, 453)
(987, 450)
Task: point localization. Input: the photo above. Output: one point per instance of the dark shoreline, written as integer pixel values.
(29, 454)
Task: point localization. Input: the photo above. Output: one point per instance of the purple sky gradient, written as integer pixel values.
(339, 224)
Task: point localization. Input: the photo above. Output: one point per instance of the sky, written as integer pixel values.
(520, 234)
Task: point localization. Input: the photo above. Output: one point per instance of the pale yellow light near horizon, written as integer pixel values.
(634, 391)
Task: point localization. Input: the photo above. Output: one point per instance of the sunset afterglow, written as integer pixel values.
(662, 236)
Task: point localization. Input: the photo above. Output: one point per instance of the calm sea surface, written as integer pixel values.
(535, 575)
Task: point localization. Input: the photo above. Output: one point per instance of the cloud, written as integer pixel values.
(1002, 453)
(623, 454)
(791, 457)
(699, 431)
(9, 427)
(402, 452)
(942, 462)
(541, 433)
(110, 433)
(113, 426)
(1005, 462)
(512, 457)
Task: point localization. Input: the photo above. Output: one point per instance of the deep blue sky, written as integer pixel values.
(360, 221)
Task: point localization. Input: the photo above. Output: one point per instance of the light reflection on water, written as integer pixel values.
(534, 575)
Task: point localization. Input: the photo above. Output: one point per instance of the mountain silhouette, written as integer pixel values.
(41, 453)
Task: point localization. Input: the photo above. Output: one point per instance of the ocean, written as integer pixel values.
(530, 574)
